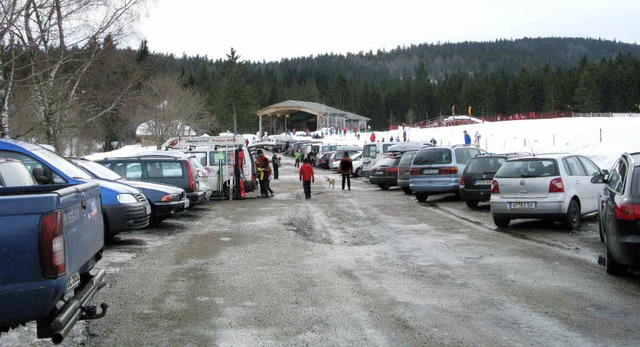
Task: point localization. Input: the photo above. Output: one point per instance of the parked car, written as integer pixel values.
(124, 207)
(158, 169)
(436, 170)
(51, 237)
(404, 166)
(337, 156)
(356, 161)
(323, 161)
(371, 154)
(165, 200)
(385, 173)
(552, 186)
(475, 182)
(619, 217)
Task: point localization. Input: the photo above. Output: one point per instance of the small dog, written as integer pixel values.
(332, 182)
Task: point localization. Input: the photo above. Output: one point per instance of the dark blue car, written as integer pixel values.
(165, 200)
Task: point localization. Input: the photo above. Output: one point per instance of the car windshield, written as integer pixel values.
(433, 156)
(62, 164)
(528, 168)
(99, 170)
(485, 165)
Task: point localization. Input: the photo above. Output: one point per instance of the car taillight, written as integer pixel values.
(628, 211)
(192, 183)
(556, 185)
(415, 171)
(392, 170)
(495, 187)
(462, 181)
(449, 170)
(52, 258)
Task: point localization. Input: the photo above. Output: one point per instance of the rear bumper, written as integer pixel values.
(434, 185)
(195, 198)
(165, 209)
(553, 209)
(475, 194)
(378, 180)
(122, 217)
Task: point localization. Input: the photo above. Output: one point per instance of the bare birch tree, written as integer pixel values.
(10, 12)
(168, 109)
(61, 40)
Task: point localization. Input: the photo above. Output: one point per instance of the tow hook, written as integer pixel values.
(91, 312)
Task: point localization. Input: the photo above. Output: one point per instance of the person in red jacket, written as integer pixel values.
(306, 176)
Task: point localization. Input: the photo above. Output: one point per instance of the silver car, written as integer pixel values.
(554, 187)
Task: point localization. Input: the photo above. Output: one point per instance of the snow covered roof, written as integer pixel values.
(294, 106)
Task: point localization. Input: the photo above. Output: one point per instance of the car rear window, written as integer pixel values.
(635, 189)
(390, 162)
(407, 158)
(433, 156)
(485, 165)
(528, 168)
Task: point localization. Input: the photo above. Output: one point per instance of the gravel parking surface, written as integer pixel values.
(360, 267)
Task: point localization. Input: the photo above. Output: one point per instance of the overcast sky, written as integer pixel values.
(276, 29)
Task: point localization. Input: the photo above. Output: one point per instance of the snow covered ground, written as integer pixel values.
(602, 139)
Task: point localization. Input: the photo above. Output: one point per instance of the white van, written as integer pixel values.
(370, 154)
(218, 154)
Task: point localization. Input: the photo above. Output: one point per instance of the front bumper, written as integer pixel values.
(122, 217)
(195, 197)
(165, 209)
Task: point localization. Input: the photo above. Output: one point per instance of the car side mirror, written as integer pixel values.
(599, 178)
(605, 172)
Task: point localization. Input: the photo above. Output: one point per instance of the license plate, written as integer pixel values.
(73, 282)
(522, 205)
(186, 203)
(148, 209)
(483, 182)
(430, 171)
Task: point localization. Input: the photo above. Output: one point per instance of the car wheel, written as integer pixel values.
(472, 203)
(383, 186)
(406, 190)
(421, 197)
(573, 218)
(358, 172)
(501, 222)
(611, 266)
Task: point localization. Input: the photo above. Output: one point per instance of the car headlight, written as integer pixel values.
(127, 198)
(170, 197)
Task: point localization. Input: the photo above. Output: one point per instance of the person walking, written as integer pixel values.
(345, 168)
(297, 155)
(372, 138)
(307, 177)
(262, 165)
(476, 139)
(467, 138)
(275, 161)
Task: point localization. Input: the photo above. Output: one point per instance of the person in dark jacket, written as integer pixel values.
(275, 161)
(345, 168)
(264, 170)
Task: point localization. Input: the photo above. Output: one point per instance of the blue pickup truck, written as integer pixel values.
(51, 238)
(124, 207)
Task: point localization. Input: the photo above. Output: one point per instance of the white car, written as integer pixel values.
(356, 160)
(554, 186)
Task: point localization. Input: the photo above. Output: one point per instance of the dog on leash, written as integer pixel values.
(332, 182)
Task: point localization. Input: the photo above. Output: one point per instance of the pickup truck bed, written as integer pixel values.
(27, 291)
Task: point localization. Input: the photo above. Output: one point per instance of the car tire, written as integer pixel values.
(384, 186)
(407, 190)
(472, 203)
(358, 172)
(421, 197)
(501, 222)
(573, 218)
(610, 265)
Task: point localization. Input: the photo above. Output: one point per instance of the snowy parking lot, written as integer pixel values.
(359, 267)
